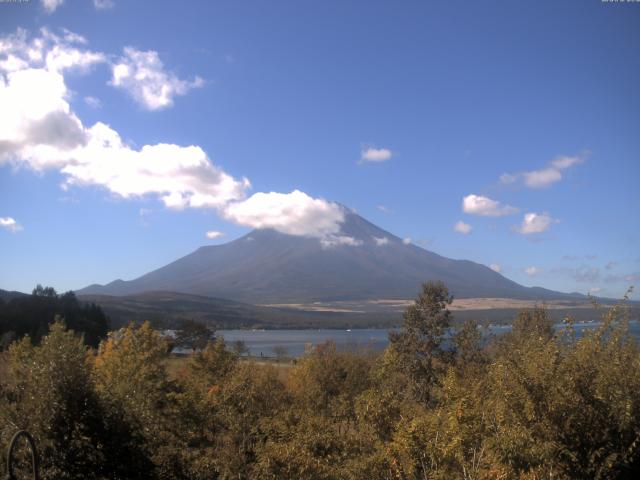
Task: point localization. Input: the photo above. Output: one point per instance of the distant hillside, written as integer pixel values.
(8, 295)
(266, 266)
(168, 309)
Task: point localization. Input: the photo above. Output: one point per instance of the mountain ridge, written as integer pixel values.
(362, 262)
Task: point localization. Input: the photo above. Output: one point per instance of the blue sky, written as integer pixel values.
(131, 129)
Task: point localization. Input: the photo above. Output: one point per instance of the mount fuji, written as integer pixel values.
(363, 262)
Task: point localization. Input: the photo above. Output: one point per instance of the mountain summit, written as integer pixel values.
(362, 262)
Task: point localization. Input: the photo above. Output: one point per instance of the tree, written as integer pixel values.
(194, 335)
(32, 314)
(134, 388)
(419, 344)
(41, 291)
(240, 348)
(52, 395)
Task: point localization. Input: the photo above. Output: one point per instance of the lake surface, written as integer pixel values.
(263, 342)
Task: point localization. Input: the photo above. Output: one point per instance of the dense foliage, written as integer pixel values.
(32, 314)
(530, 404)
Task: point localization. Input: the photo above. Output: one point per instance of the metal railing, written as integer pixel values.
(10, 455)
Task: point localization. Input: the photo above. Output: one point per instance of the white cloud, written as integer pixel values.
(55, 53)
(375, 155)
(463, 228)
(181, 176)
(143, 76)
(381, 241)
(103, 4)
(495, 267)
(92, 102)
(546, 176)
(484, 206)
(51, 5)
(10, 224)
(563, 162)
(294, 213)
(532, 271)
(384, 209)
(39, 130)
(595, 289)
(542, 178)
(214, 234)
(535, 223)
(406, 240)
(37, 118)
(331, 241)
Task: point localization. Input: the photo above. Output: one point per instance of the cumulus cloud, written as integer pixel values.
(10, 224)
(51, 5)
(143, 76)
(486, 207)
(546, 176)
(406, 240)
(535, 223)
(180, 176)
(50, 51)
(463, 228)
(103, 4)
(375, 155)
(381, 241)
(384, 209)
(532, 271)
(38, 129)
(211, 234)
(495, 267)
(294, 213)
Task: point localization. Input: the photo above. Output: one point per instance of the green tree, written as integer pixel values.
(418, 346)
(50, 393)
(194, 335)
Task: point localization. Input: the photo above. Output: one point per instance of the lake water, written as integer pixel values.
(263, 342)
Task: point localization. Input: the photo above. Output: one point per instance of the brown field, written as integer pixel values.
(401, 304)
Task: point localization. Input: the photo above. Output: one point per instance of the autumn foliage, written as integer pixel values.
(535, 403)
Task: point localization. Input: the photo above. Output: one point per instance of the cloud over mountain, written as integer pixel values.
(294, 213)
(40, 130)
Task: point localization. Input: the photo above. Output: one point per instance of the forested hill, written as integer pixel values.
(22, 314)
